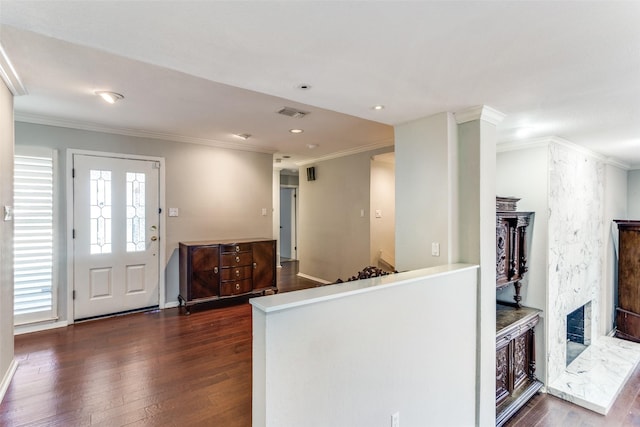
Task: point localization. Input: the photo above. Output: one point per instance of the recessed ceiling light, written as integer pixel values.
(304, 86)
(296, 130)
(110, 97)
(244, 136)
(312, 146)
(378, 107)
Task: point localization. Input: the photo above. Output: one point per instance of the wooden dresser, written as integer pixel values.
(213, 270)
(628, 309)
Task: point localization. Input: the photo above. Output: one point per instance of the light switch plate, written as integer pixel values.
(173, 212)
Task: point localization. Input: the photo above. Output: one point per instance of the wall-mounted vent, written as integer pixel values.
(292, 112)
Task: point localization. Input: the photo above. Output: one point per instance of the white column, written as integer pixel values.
(477, 238)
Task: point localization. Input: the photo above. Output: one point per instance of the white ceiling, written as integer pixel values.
(200, 71)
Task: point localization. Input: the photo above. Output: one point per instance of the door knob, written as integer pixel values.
(154, 238)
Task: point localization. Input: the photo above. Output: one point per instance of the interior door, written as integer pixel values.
(288, 211)
(116, 235)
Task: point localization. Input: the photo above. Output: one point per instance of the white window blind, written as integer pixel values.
(34, 290)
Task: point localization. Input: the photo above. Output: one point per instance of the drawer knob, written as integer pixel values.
(237, 248)
(255, 265)
(237, 286)
(237, 273)
(215, 270)
(237, 259)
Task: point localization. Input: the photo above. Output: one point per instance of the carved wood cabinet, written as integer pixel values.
(515, 359)
(628, 309)
(511, 249)
(515, 339)
(213, 270)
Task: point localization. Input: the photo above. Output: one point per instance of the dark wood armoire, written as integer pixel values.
(628, 307)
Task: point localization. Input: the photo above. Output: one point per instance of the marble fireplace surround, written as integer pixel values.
(576, 250)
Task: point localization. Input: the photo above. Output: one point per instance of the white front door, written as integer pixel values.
(116, 235)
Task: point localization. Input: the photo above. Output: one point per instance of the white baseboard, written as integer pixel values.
(8, 376)
(315, 279)
(171, 304)
(37, 327)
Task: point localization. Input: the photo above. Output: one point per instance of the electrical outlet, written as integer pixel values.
(395, 420)
(174, 211)
(264, 211)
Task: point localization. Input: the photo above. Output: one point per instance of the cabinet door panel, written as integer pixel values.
(520, 359)
(502, 252)
(502, 373)
(204, 272)
(264, 255)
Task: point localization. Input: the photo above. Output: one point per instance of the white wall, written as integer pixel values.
(334, 217)
(524, 174)
(7, 364)
(383, 199)
(633, 195)
(383, 349)
(425, 189)
(615, 207)
(220, 193)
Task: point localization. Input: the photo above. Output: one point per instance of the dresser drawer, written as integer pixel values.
(235, 287)
(236, 273)
(236, 259)
(238, 247)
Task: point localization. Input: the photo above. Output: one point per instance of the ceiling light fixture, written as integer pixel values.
(296, 130)
(378, 107)
(110, 97)
(244, 136)
(312, 146)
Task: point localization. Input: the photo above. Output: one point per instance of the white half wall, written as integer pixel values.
(355, 353)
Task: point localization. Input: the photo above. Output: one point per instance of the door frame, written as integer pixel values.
(69, 215)
(294, 219)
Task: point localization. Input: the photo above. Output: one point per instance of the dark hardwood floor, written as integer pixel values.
(162, 368)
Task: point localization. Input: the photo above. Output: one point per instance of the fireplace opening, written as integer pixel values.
(578, 331)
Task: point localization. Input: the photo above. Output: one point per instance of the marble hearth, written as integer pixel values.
(594, 379)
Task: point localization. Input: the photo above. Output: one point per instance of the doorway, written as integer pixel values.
(288, 223)
(116, 234)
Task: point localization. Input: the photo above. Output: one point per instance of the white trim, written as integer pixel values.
(8, 376)
(357, 150)
(172, 304)
(315, 279)
(40, 326)
(95, 127)
(9, 75)
(163, 227)
(480, 112)
(504, 147)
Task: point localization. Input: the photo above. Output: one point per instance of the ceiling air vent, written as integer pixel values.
(292, 112)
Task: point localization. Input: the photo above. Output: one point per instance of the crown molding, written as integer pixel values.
(94, 127)
(481, 112)
(363, 149)
(547, 141)
(9, 75)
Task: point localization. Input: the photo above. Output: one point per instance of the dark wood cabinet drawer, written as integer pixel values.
(239, 247)
(236, 273)
(235, 287)
(236, 259)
